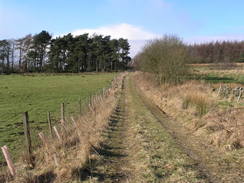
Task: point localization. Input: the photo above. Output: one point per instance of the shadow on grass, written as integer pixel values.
(48, 177)
(215, 79)
(86, 173)
(105, 168)
(90, 169)
(3, 179)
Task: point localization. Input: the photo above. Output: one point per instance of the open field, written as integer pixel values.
(220, 73)
(38, 94)
(142, 132)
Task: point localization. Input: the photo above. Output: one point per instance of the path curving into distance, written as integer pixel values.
(141, 144)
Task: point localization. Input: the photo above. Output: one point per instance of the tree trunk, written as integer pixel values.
(13, 58)
(2, 70)
(8, 63)
(115, 66)
(97, 65)
(20, 59)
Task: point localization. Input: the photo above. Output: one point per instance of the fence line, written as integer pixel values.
(27, 130)
(225, 91)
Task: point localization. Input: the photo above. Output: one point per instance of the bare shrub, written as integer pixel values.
(166, 58)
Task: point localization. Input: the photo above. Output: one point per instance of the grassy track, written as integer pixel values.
(168, 162)
(112, 163)
(39, 94)
(204, 160)
(137, 149)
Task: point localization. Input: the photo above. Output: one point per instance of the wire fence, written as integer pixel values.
(12, 133)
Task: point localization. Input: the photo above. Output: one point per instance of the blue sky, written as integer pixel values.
(137, 20)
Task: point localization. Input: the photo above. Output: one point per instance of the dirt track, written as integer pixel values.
(141, 144)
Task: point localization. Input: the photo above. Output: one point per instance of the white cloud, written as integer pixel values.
(137, 36)
(136, 46)
(123, 30)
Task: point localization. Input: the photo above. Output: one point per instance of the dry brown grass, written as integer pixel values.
(198, 100)
(226, 128)
(61, 161)
(223, 73)
(238, 65)
(195, 105)
(237, 69)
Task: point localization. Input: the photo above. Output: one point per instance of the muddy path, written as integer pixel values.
(140, 145)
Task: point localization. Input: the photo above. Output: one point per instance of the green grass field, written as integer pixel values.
(223, 78)
(38, 94)
(209, 73)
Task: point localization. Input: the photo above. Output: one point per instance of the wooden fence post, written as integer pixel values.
(27, 134)
(8, 160)
(55, 159)
(80, 106)
(50, 124)
(103, 92)
(240, 94)
(92, 102)
(90, 107)
(62, 113)
(57, 133)
(219, 90)
(90, 99)
(43, 139)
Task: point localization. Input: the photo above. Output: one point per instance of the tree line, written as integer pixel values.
(168, 59)
(217, 52)
(68, 53)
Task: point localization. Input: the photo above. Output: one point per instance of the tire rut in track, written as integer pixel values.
(114, 162)
(198, 165)
(211, 170)
(110, 166)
